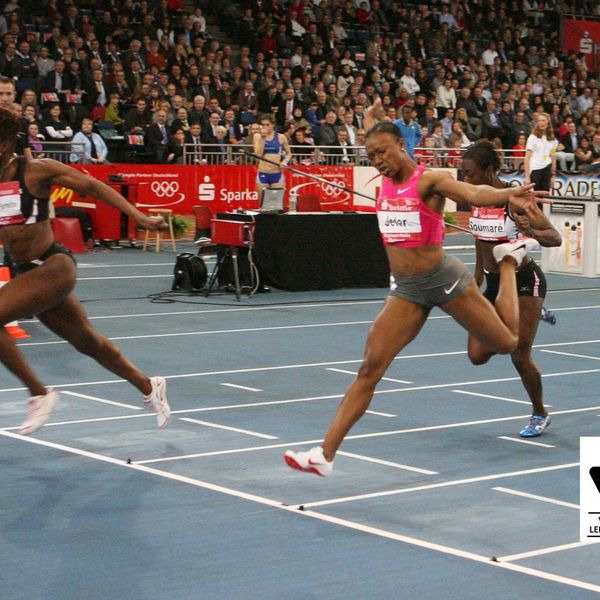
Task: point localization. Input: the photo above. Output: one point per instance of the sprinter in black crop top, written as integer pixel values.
(45, 286)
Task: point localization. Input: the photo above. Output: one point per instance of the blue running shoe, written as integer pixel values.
(536, 426)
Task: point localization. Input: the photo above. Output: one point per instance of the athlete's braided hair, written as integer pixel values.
(10, 126)
(483, 152)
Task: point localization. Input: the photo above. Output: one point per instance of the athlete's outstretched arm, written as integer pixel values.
(57, 173)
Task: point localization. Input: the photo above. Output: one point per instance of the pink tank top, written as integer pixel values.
(404, 219)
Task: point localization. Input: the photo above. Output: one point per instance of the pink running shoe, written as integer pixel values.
(311, 461)
(40, 408)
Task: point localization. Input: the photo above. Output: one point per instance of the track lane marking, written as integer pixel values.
(536, 497)
(509, 566)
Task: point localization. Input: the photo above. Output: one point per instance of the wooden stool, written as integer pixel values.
(167, 215)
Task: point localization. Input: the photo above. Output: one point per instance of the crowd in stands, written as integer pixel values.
(148, 74)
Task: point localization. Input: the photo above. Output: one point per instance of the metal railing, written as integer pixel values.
(237, 154)
(65, 152)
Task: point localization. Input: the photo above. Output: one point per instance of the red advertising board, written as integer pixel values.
(582, 36)
(222, 188)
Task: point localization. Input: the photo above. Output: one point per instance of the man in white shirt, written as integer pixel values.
(489, 55)
(409, 82)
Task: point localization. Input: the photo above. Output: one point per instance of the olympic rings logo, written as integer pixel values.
(334, 191)
(164, 189)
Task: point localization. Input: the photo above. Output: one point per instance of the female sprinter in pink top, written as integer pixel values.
(410, 213)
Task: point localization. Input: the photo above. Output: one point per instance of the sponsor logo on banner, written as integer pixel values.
(61, 194)
(164, 189)
(589, 489)
(329, 193)
(206, 190)
(566, 185)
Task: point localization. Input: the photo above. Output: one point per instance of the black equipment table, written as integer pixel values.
(317, 251)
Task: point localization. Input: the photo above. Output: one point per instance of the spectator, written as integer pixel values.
(518, 154)
(567, 146)
(583, 154)
(88, 147)
(175, 147)
(327, 132)
(36, 139)
(193, 138)
(157, 138)
(491, 127)
(340, 153)
(138, 119)
(302, 149)
(445, 96)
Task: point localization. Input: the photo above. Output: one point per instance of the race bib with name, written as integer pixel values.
(487, 224)
(399, 220)
(10, 203)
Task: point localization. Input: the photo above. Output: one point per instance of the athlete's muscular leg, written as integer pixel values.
(530, 307)
(397, 325)
(69, 321)
(30, 293)
(506, 309)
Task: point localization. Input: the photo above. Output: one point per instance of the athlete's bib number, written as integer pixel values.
(10, 203)
(397, 226)
(487, 223)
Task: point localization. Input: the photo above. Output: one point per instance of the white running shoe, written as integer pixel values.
(517, 249)
(311, 461)
(40, 408)
(158, 399)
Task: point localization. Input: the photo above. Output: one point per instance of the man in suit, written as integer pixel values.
(491, 126)
(350, 128)
(97, 90)
(133, 53)
(285, 111)
(199, 112)
(209, 132)
(57, 80)
(567, 146)
(193, 138)
(157, 138)
(235, 132)
(341, 153)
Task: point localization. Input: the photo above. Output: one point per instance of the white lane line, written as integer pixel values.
(241, 387)
(315, 515)
(284, 306)
(571, 354)
(214, 332)
(491, 397)
(567, 308)
(125, 277)
(434, 486)
(380, 414)
(101, 400)
(350, 437)
(382, 379)
(387, 463)
(520, 441)
(107, 266)
(536, 497)
(227, 428)
(542, 551)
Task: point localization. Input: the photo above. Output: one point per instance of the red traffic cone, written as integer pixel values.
(13, 327)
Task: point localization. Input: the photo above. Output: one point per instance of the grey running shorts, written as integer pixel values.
(436, 286)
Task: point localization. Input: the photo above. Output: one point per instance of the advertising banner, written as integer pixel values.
(223, 188)
(581, 36)
(331, 198)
